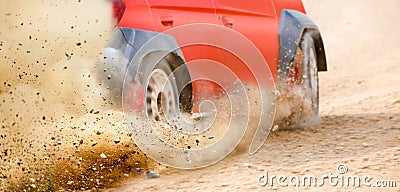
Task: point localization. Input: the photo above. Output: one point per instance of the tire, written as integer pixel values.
(161, 96)
(309, 78)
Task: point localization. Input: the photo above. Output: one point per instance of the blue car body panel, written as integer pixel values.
(141, 42)
(122, 57)
(292, 26)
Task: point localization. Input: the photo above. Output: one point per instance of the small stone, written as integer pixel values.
(139, 171)
(275, 128)
(103, 156)
(248, 165)
(32, 180)
(196, 116)
(365, 144)
(152, 175)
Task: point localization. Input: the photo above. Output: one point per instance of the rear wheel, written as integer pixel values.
(166, 92)
(298, 101)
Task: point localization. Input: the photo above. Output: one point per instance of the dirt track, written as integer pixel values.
(359, 107)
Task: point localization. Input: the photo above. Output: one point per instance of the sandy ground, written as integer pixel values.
(359, 107)
(59, 132)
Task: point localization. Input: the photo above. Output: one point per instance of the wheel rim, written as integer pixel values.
(160, 98)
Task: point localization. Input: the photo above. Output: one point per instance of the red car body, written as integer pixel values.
(244, 17)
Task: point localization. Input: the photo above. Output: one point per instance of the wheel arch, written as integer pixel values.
(293, 25)
(152, 44)
(145, 43)
(125, 52)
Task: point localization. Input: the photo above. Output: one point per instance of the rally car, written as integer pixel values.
(163, 54)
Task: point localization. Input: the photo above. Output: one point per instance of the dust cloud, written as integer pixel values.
(293, 111)
(58, 129)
